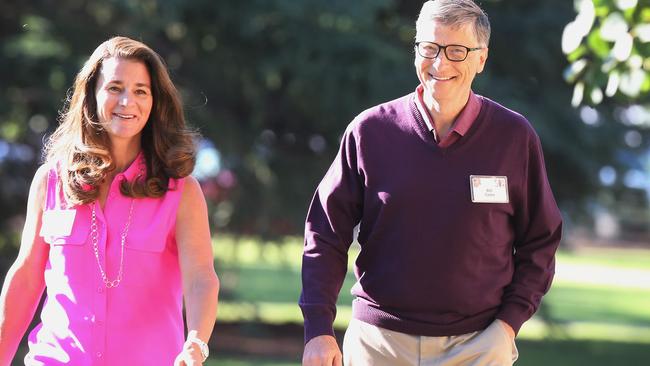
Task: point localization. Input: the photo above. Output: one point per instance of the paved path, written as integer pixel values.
(603, 275)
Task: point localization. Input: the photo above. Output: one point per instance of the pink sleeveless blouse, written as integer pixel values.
(83, 322)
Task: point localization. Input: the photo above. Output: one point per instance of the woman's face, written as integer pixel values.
(124, 98)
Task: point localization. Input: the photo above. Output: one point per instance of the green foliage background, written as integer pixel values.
(273, 83)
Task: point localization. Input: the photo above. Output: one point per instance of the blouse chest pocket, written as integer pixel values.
(67, 232)
(145, 257)
(147, 236)
(153, 242)
(152, 224)
(65, 227)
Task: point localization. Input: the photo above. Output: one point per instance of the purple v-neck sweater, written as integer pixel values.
(432, 263)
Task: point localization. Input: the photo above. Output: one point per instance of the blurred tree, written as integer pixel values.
(273, 83)
(524, 73)
(608, 47)
(282, 79)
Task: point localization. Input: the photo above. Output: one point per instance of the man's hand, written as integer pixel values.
(508, 328)
(322, 351)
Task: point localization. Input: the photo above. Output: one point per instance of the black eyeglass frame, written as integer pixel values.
(444, 49)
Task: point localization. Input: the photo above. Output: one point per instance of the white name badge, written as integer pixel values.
(489, 189)
(57, 222)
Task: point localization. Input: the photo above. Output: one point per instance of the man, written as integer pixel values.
(458, 226)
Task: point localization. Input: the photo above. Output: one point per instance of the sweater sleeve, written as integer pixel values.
(334, 212)
(538, 227)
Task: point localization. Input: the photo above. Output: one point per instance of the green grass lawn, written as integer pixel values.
(599, 304)
(532, 353)
(600, 301)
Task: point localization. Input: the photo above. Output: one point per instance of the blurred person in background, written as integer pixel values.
(458, 226)
(116, 229)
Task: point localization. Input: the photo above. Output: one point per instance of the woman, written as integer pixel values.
(116, 228)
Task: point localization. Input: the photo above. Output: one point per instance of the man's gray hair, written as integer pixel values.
(456, 13)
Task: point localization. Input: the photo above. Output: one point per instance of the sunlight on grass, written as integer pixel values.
(273, 313)
(609, 257)
(536, 329)
(599, 302)
(279, 313)
(603, 276)
(286, 253)
(597, 294)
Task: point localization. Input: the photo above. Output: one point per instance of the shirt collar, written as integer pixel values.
(464, 120)
(137, 168)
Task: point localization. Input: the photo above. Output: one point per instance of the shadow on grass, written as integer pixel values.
(578, 353)
(275, 345)
(532, 353)
(264, 346)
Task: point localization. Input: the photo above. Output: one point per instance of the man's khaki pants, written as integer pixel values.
(366, 344)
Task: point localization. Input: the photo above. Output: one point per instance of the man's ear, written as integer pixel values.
(483, 56)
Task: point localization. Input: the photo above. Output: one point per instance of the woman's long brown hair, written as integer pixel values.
(80, 146)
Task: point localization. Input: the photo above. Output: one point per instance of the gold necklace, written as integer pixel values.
(93, 227)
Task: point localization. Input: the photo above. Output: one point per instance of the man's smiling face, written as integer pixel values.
(447, 81)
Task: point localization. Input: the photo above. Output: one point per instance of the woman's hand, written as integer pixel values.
(189, 356)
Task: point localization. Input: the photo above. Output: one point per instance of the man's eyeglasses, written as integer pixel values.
(454, 52)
